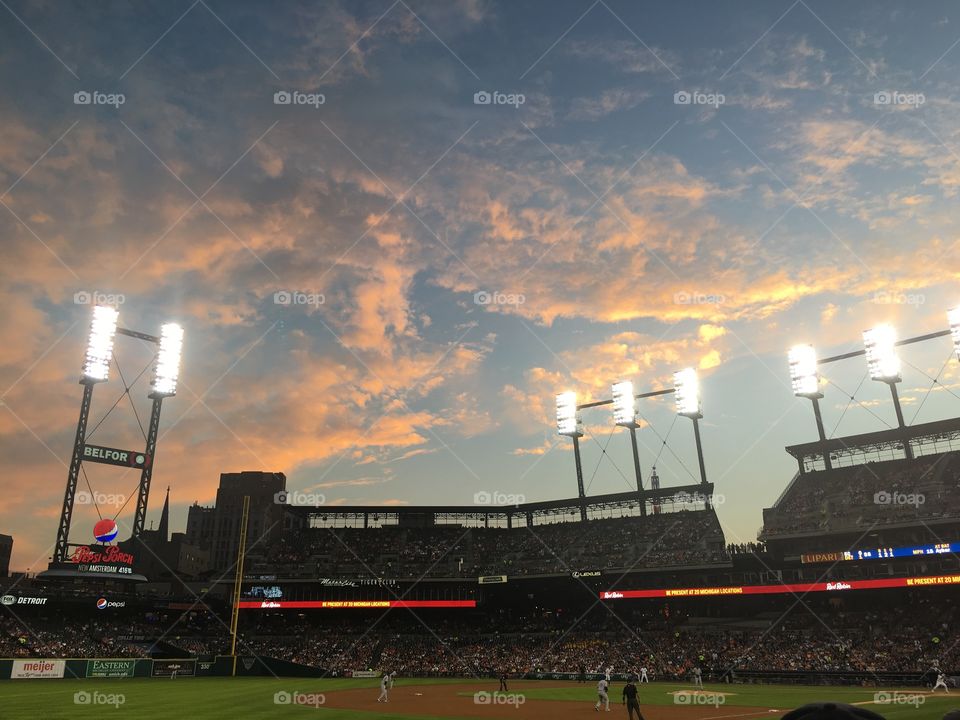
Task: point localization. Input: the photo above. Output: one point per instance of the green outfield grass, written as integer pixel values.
(241, 698)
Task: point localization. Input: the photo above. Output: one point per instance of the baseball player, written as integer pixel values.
(503, 681)
(602, 697)
(631, 700)
(697, 677)
(941, 682)
(607, 672)
(385, 683)
(643, 675)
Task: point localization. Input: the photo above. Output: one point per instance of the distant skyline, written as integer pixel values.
(394, 229)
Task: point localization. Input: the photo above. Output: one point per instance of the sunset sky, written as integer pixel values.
(652, 186)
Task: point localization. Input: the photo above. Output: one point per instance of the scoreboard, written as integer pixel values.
(882, 553)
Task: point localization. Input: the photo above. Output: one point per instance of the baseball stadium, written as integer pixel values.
(517, 609)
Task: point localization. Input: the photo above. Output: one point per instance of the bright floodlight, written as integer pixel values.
(803, 371)
(624, 404)
(882, 360)
(168, 361)
(953, 316)
(687, 393)
(568, 417)
(96, 364)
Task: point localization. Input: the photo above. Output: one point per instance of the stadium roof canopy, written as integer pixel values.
(924, 438)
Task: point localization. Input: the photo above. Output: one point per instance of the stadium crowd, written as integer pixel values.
(677, 538)
(858, 497)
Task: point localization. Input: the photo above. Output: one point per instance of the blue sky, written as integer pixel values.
(693, 184)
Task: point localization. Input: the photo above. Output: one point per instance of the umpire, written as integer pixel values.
(631, 699)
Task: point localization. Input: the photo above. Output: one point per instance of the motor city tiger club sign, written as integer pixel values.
(115, 456)
(110, 560)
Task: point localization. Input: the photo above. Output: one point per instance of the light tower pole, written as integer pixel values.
(883, 363)
(96, 369)
(805, 381)
(626, 414)
(570, 423)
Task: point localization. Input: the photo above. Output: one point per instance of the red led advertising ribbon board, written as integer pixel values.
(838, 586)
(331, 604)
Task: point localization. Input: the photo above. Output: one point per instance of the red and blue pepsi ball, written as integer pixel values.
(101, 603)
(105, 531)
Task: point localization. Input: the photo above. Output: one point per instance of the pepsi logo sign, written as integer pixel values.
(106, 530)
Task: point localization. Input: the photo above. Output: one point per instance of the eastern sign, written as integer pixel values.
(114, 456)
(110, 668)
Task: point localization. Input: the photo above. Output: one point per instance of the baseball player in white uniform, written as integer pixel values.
(385, 682)
(941, 683)
(643, 675)
(607, 672)
(602, 697)
(698, 678)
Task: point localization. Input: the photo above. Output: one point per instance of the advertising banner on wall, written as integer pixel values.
(110, 668)
(25, 669)
(169, 668)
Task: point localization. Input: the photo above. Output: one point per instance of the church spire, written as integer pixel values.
(165, 519)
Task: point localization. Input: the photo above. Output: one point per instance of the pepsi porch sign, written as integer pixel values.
(115, 456)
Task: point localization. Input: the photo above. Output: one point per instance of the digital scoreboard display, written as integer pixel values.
(882, 553)
(784, 588)
(351, 604)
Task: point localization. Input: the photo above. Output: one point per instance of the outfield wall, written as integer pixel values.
(118, 668)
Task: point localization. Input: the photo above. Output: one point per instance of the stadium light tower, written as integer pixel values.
(163, 384)
(626, 413)
(569, 423)
(953, 317)
(686, 392)
(883, 364)
(96, 369)
(805, 381)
